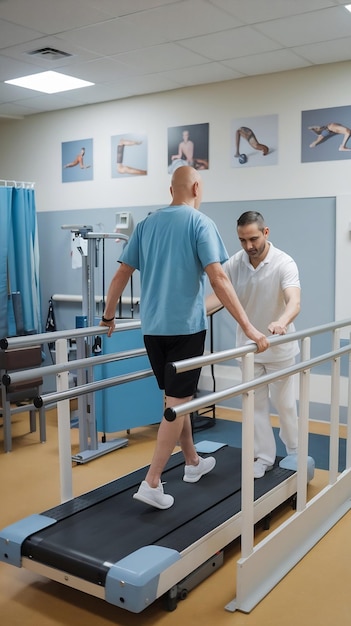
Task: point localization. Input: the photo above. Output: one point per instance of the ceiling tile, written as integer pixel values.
(102, 70)
(231, 43)
(202, 74)
(324, 25)
(194, 19)
(128, 7)
(252, 12)
(267, 62)
(11, 34)
(52, 16)
(131, 47)
(327, 51)
(160, 58)
(21, 52)
(112, 37)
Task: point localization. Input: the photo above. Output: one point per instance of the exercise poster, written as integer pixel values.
(326, 134)
(254, 141)
(77, 160)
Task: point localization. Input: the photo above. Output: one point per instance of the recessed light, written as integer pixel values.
(49, 82)
(348, 7)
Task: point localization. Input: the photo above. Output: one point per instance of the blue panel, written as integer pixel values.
(129, 405)
(12, 537)
(132, 582)
(292, 225)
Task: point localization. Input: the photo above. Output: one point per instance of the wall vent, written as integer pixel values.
(49, 53)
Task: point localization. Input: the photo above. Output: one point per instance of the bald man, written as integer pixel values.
(174, 248)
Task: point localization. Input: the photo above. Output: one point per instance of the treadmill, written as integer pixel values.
(111, 546)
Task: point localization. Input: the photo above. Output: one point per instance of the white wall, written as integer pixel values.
(31, 149)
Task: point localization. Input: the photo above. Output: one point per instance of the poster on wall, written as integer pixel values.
(254, 141)
(128, 155)
(325, 134)
(77, 160)
(188, 145)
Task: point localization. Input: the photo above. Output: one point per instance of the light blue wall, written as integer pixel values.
(305, 228)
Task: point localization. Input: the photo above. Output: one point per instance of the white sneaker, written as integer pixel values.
(193, 473)
(153, 496)
(260, 468)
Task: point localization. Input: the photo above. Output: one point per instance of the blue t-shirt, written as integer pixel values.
(171, 248)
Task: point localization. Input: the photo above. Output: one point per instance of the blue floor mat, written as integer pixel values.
(226, 431)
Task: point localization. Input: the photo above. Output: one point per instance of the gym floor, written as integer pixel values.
(315, 592)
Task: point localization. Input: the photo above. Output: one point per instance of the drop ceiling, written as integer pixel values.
(134, 47)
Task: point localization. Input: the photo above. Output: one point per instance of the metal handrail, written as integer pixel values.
(235, 353)
(81, 390)
(171, 413)
(57, 368)
(34, 340)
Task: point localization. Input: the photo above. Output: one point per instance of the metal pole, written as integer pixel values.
(303, 428)
(64, 426)
(334, 414)
(247, 461)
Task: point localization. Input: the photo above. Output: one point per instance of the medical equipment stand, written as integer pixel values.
(89, 446)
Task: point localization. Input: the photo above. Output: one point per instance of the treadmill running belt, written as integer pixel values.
(108, 524)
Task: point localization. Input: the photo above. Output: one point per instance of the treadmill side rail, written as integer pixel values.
(13, 536)
(132, 582)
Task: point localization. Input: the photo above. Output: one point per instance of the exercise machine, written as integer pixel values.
(139, 553)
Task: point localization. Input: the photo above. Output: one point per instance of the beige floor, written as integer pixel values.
(315, 593)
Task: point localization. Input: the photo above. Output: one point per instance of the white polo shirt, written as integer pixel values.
(261, 292)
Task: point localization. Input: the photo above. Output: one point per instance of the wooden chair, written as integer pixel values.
(20, 394)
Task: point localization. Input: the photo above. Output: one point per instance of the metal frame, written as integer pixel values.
(262, 566)
(179, 568)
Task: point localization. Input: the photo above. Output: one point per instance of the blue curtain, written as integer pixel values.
(19, 258)
(5, 216)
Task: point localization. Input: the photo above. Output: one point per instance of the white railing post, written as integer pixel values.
(247, 460)
(64, 426)
(334, 412)
(303, 427)
(348, 427)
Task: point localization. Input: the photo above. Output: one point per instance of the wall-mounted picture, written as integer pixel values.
(325, 134)
(128, 155)
(254, 141)
(188, 145)
(77, 160)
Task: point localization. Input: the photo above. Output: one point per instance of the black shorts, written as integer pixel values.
(165, 349)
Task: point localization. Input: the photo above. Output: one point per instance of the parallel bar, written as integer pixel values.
(74, 392)
(82, 363)
(218, 357)
(34, 340)
(188, 364)
(231, 392)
